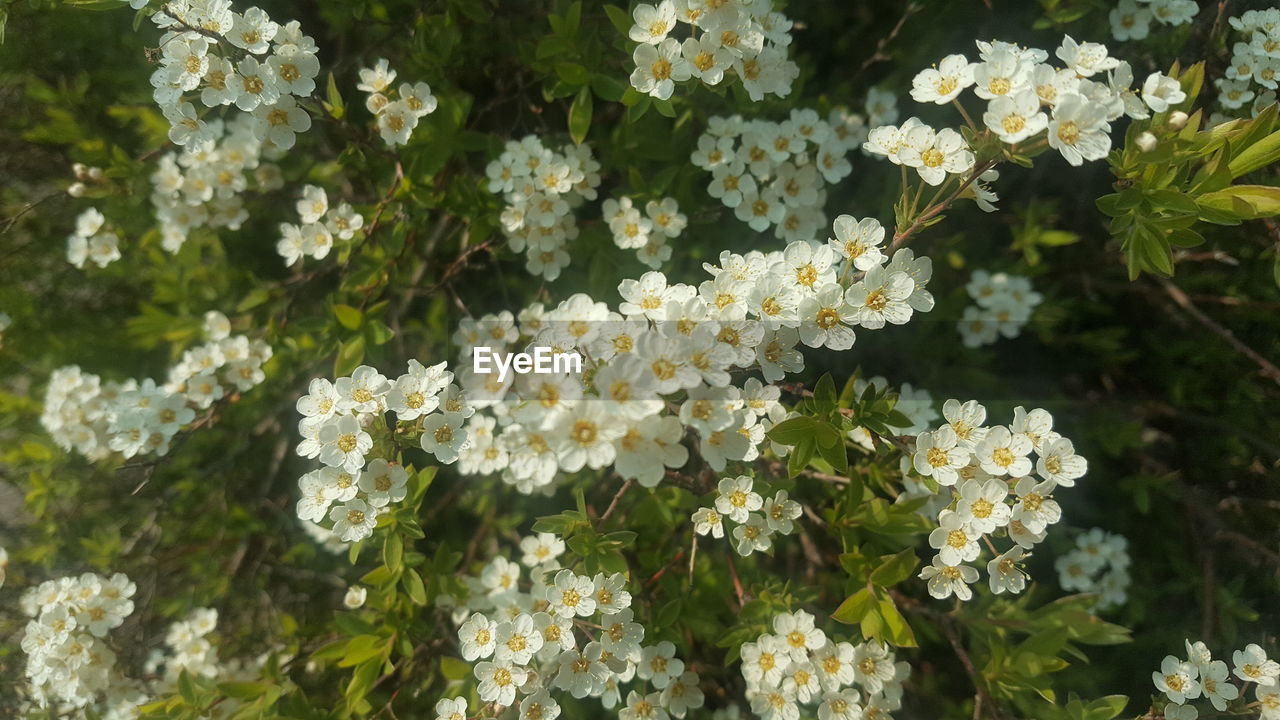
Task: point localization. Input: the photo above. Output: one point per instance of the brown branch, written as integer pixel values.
(1266, 367)
(614, 504)
(902, 236)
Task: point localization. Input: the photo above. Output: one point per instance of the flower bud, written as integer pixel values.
(95, 173)
(1146, 142)
(80, 170)
(76, 190)
(1177, 119)
(355, 597)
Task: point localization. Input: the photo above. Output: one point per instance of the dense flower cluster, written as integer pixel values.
(646, 234)
(798, 664)
(320, 227)
(1098, 564)
(95, 417)
(92, 241)
(737, 501)
(1018, 83)
(566, 633)
(397, 110)
(541, 188)
(202, 186)
(246, 60)
(1200, 677)
(339, 422)
(677, 342)
(995, 486)
(746, 37)
(69, 662)
(775, 174)
(1004, 304)
(1131, 19)
(1254, 73)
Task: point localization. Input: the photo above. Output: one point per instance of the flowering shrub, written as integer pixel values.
(698, 358)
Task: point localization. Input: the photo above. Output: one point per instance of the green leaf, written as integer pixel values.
(333, 100)
(186, 689)
(1246, 202)
(349, 317)
(620, 18)
(895, 569)
(1258, 155)
(393, 552)
(350, 355)
(607, 87)
(413, 585)
(455, 669)
(243, 690)
(572, 73)
(580, 116)
(855, 607)
(1105, 708)
(898, 632)
(793, 431)
(824, 394)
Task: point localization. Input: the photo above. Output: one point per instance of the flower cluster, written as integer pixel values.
(566, 633)
(1202, 677)
(646, 234)
(69, 661)
(1004, 304)
(92, 241)
(93, 417)
(994, 485)
(1018, 84)
(737, 501)
(541, 188)
(1255, 62)
(201, 186)
(678, 342)
(320, 226)
(398, 112)
(747, 37)
(1098, 564)
(775, 174)
(798, 664)
(246, 60)
(1131, 19)
(338, 425)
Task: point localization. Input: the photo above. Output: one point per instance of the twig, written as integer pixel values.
(1266, 367)
(902, 236)
(614, 504)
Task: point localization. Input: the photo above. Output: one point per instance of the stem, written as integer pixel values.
(965, 114)
(901, 237)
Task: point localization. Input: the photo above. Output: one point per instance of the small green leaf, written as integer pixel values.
(855, 607)
(413, 585)
(350, 355)
(349, 317)
(393, 552)
(620, 18)
(1246, 202)
(895, 569)
(580, 116)
(793, 431)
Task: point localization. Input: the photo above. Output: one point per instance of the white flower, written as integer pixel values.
(1216, 686)
(582, 673)
(939, 456)
(1086, 58)
(881, 296)
(1006, 572)
(1252, 665)
(1160, 91)
(873, 666)
(499, 681)
(780, 512)
(945, 580)
(981, 505)
(1177, 680)
(1035, 508)
(1003, 453)
(934, 154)
(1059, 463)
(516, 640)
(1014, 118)
(753, 536)
(942, 85)
(1174, 711)
(344, 443)
(355, 597)
(443, 435)
(541, 549)
(858, 241)
(377, 78)
(451, 709)
(736, 500)
(954, 540)
(396, 122)
(571, 595)
(658, 67)
(1079, 129)
(383, 482)
(610, 593)
(798, 634)
(477, 637)
(653, 23)
(825, 317)
(354, 520)
(538, 706)
(841, 705)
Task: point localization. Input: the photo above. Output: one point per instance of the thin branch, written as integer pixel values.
(1266, 367)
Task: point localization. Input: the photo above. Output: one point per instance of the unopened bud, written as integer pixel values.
(76, 190)
(95, 173)
(80, 170)
(1177, 119)
(1146, 142)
